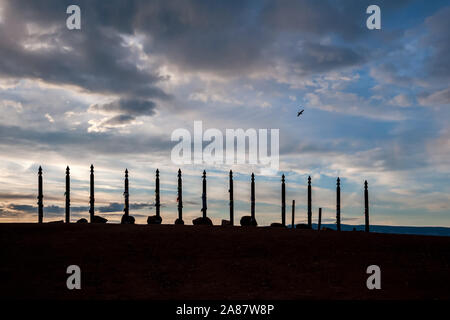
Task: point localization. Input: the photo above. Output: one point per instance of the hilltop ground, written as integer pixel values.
(199, 262)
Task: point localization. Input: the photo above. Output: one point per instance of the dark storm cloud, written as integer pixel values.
(112, 207)
(22, 207)
(240, 36)
(53, 210)
(93, 58)
(15, 196)
(438, 38)
(5, 196)
(82, 141)
(345, 18)
(124, 106)
(225, 37)
(126, 111)
(118, 120)
(116, 207)
(316, 57)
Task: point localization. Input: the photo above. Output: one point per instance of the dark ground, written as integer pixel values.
(199, 262)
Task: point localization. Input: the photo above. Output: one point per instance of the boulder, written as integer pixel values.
(179, 222)
(226, 222)
(303, 226)
(248, 221)
(277, 225)
(154, 219)
(127, 219)
(82, 220)
(202, 221)
(98, 219)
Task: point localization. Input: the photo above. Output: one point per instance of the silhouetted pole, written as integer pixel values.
(283, 201)
(126, 209)
(366, 205)
(40, 197)
(204, 208)
(230, 190)
(180, 197)
(320, 219)
(252, 198)
(338, 204)
(293, 214)
(91, 198)
(309, 204)
(157, 200)
(67, 194)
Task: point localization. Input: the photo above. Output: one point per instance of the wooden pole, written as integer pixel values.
(293, 214)
(91, 198)
(204, 207)
(366, 206)
(252, 198)
(309, 204)
(67, 194)
(126, 208)
(157, 199)
(283, 201)
(180, 197)
(230, 190)
(40, 197)
(338, 204)
(320, 219)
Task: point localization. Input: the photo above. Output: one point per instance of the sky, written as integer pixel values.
(377, 106)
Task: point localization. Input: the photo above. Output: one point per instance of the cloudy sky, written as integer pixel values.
(377, 105)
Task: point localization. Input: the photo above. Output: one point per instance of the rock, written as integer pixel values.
(82, 220)
(202, 221)
(277, 225)
(248, 221)
(226, 222)
(127, 220)
(56, 222)
(154, 219)
(98, 219)
(179, 222)
(303, 226)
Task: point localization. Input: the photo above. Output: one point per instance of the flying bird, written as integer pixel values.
(300, 113)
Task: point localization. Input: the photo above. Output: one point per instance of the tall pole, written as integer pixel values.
(157, 199)
(283, 201)
(91, 198)
(338, 204)
(320, 219)
(126, 209)
(252, 198)
(40, 197)
(67, 194)
(309, 203)
(180, 197)
(366, 205)
(230, 190)
(293, 214)
(204, 208)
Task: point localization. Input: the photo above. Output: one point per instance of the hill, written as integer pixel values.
(199, 262)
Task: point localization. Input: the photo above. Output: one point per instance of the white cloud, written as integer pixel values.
(401, 100)
(12, 104)
(49, 118)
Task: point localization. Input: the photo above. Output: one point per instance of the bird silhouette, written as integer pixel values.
(300, 113)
